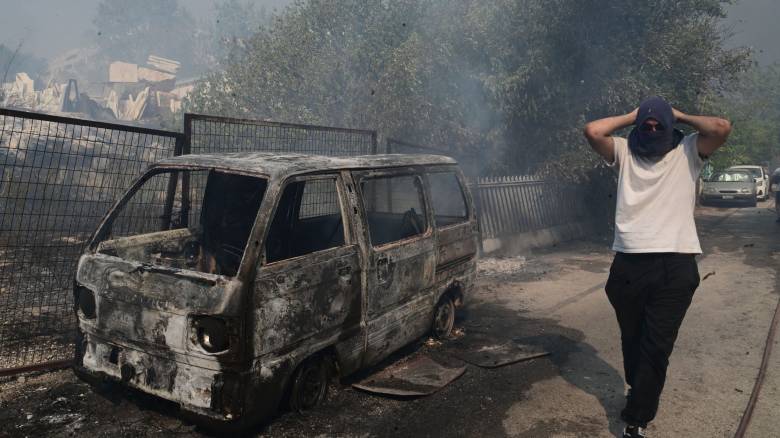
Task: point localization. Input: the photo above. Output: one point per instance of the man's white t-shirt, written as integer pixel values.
(656, 199)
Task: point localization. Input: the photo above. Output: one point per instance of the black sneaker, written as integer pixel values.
(634, 432)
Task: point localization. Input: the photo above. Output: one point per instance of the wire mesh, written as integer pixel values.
(58, 178)
(319, 198)
(211, 134)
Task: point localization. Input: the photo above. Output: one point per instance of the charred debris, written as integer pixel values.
(132, 93)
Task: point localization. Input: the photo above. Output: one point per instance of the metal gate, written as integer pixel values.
(58, 177)
(211, 134)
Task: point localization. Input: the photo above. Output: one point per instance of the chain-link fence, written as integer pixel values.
(58, 178)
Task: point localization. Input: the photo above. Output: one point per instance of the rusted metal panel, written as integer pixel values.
(418, 376)
(301, 298)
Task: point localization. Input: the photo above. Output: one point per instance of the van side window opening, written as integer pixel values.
(447, 199)
(213, 242)
(307, 219)
(395, 208)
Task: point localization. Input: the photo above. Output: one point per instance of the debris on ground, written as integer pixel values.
(133, 93)
(421, 375)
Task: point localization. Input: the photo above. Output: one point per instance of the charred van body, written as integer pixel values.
(227, 283)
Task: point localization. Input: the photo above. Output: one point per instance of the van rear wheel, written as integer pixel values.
(310, 384)
(443, 318)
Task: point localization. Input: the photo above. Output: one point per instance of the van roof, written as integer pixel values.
(283, 165)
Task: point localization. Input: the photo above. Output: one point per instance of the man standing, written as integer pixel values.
(654, 273)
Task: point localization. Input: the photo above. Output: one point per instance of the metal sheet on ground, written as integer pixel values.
(415, 377)
(492, 353)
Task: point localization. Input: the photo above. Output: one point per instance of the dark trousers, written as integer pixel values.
(650, 293)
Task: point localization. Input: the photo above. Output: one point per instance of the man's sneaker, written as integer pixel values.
(634, 432)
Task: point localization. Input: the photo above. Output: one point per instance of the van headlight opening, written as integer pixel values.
(212, 333)
(85, 301)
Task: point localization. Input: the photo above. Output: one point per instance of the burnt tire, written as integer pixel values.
(443, 318)
(309, 385)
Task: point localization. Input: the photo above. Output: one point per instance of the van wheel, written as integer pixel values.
(310, 384)
(443, 318)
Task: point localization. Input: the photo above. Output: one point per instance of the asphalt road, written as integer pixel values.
(553, 298)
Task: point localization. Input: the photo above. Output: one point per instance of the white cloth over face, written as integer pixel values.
(656, 198)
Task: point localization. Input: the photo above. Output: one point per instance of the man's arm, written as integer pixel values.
(713, 131)
(599, 133)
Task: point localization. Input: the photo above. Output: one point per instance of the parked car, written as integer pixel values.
(729, 186)
(227, 283)
(761, 177)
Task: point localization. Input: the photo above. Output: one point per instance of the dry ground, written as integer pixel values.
(554, 298)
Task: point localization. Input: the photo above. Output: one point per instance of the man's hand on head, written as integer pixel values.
(599, 133)
(677, 114)
(713, 131)
(633, 114)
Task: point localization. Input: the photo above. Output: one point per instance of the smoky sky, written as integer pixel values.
(47, 28)
(755, 24)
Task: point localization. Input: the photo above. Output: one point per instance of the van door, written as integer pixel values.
(308, 288)
(401, 260)
(455, 222)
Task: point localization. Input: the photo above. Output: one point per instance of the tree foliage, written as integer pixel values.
(511, 81)
(753, 107)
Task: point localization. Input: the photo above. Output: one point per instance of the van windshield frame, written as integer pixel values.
(203, 217)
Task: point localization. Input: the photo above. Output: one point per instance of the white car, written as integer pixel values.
(760, 176)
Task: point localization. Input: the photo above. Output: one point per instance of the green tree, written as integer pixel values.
(506, 80)
(236, 20)
(754, 109)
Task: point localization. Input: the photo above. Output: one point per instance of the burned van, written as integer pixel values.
(230, 283)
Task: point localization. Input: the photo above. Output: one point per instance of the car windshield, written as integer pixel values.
(730, 177)
(755, 172)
